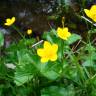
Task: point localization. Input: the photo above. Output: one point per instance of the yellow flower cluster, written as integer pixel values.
(91, 13)
(49, 52)
(29, 31)
(9, 21)
(63, 33)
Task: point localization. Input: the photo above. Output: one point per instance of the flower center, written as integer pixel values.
(49, 54)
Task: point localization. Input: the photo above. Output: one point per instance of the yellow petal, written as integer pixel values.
(60, 32)
(93, 9)
(7, 20)
(55, 47)
(43, 60)
(40, 52)
(47, 45)
(63, 33)
(65, 38)
(54, 57)
(65, 29)
(68, 34)
(94, 19)
(6, 24)
(13, 19)
(29, 31)
(87, 12)
(59, 29)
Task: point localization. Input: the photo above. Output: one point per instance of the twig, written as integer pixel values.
(76, 45)
(37, 43)
(88, 20)
(94, 40)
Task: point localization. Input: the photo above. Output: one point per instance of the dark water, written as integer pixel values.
(29, 13)
(34, 14)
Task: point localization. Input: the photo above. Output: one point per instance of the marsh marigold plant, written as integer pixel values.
(63, 33)
(49, 52)
(91, 13)
(10, 21)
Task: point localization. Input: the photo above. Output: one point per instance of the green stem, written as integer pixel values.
(63, 19)
(90, 51)
(79, 68)
(14, 27)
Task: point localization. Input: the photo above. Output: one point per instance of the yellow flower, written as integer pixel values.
(91, 13)
(63, 33)
(49, 52)
(9, 21)
(29, 31)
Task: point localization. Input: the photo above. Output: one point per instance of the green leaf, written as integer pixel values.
(26, 42)
(23, 91)
(73, 38)
(50, 74)
(23, 58)
(90, 60)
(53, 31)
(22, 77)
(51, 36)
(50, 70)
(92, 31)
(1, 39)
(58, 91)
(47, 36)
(90, 48)
(25, 68)
(89, 63)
